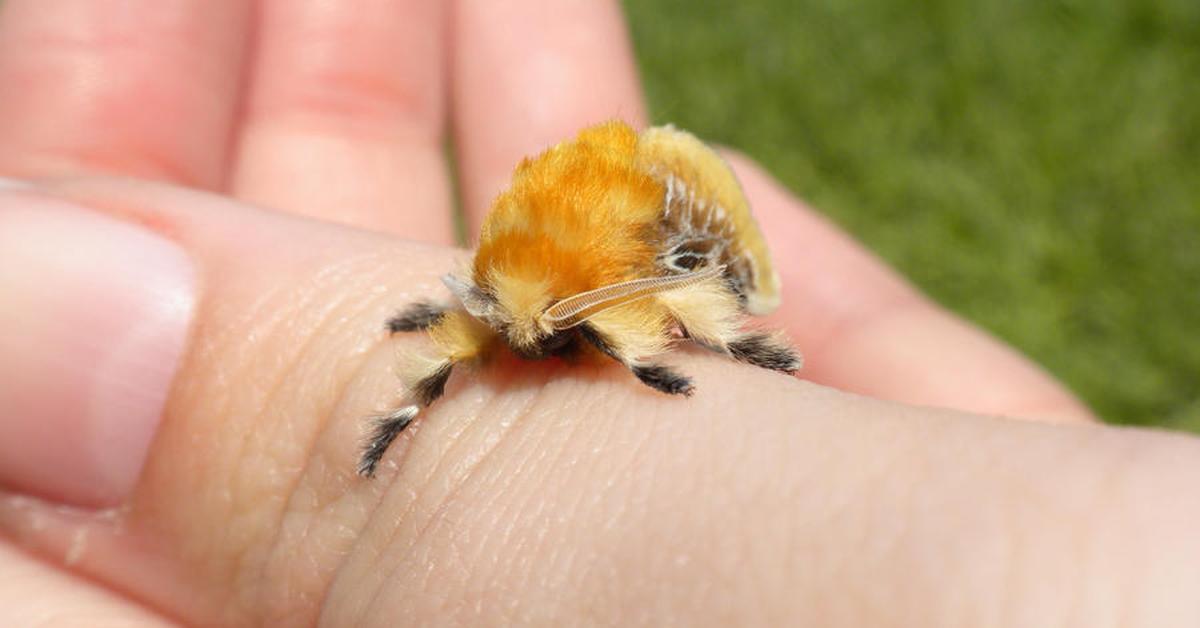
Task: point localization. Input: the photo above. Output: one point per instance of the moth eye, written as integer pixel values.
(686, 261)
(691, 254)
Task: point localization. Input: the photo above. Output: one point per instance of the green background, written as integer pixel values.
(1033, 165)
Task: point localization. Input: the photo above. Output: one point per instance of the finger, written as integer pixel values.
(345, 115)
(865, 329)
(530, 74)
(642, 509)
(248, 511)
(129, 296)
(33, 593)
(144, 89)
(99, 312)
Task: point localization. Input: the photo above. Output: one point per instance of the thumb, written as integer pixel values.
(94, 313)
(205, 364)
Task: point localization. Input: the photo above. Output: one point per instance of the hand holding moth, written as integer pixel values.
(536, 492)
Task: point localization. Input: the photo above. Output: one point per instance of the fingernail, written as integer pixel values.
(94, 314)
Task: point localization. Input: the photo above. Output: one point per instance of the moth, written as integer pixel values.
(614, 243)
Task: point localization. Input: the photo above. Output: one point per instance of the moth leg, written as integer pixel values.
(663, 378)
(459, 338)
(762, 349)
(385, 428)
(710, 315)
(766, 350)
(656, 376)
(416, 316)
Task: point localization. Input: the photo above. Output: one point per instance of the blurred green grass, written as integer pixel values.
(1032, 164)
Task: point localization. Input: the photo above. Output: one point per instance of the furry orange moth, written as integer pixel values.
(614, 243)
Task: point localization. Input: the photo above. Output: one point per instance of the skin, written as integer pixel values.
(532, 493)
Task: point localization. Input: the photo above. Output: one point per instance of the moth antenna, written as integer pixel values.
(576, 309)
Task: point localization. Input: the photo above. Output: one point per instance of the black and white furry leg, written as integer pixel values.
(430, 387)
(386, 428)
(657, 376)
(710, 315)
(415, 317)
(765, 350)
(664, 379)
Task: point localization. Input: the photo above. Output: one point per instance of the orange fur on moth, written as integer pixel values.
(614, 243)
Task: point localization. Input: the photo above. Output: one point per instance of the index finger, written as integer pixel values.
(529, 74)
(343, 119)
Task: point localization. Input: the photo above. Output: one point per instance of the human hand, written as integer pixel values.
(538, 495)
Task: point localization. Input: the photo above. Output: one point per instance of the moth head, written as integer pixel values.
(535, 325)
(512, 306)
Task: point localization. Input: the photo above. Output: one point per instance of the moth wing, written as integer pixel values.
(706, 216)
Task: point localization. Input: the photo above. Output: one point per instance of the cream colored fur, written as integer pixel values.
(460, 336)
(708, 311)
(636, 331)
(457, 337)
(522, 301)
(417, 366)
